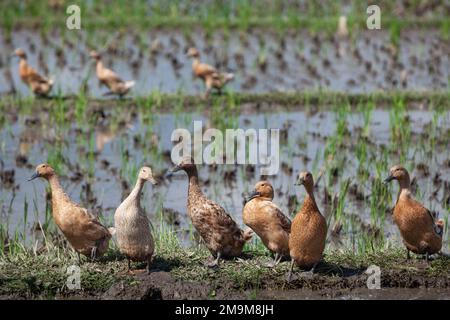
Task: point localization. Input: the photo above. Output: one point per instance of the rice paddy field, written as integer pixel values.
(348, 108)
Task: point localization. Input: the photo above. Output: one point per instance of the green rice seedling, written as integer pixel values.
(339, 207)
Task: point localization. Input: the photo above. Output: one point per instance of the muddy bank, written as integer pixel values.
(395, 285)
(179, 273)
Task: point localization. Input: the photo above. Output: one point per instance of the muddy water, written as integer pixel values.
(112, 152)
(262, 60)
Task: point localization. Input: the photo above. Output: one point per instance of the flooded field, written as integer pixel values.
(262, 60)
(349, 151)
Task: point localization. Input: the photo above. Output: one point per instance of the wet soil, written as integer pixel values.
(262, 60)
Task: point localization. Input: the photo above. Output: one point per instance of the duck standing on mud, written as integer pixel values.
(222, 236)
(109, 78)
(132, 227)
(308, 229)
(267, 221)
(420, 233)
(81, 228)
(40, 85)
(210, 75)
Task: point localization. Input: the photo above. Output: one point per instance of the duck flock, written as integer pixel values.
(302, 240)
(41, 85)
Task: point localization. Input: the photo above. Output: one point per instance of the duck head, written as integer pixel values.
(146, 174)
(43, 171)
(263, 189)
(400, 174)
(187, 164)
(193, 53)
(20, 53)
(95, 55)
(305, 178)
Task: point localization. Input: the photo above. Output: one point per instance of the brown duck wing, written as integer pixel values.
(110, 77)
(273, 210)
(222, 219)
(204, 70)
(34, 76)
(93, 229)
(420, 209)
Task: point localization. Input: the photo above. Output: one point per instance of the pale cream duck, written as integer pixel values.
(132, 226)
(81, 228)
(109, 78)
(39, 84)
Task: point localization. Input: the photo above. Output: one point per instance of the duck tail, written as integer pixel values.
(112, 230)
(439, 226)
(227, 77)
(129, 84)
(247, 234)
(51, 80)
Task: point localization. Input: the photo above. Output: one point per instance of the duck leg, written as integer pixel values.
(427, 257)
(149, 263)
(214, 263)
(279, 259)
(313, 269)
(129, 264)
(79, 258)
(208, 83)
(290, 270)
(408, 256)
(94, 250)
(275, 261)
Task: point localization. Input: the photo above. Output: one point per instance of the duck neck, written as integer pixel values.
(405, 188)
(310, 201)
(22, 65)
(194, 186)
(195, 62)
(58, 193)
(135, 194)
(99, 66)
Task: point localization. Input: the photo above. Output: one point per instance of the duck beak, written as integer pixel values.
(300, 182)
(388, 179)
(34, 176)
(254, 194)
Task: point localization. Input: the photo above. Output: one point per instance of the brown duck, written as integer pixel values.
(221, 235)
(420, 233)
(109, 78)
(267, 221)
(81, 228)
(40, 85)
(210, 75)
(308, 229)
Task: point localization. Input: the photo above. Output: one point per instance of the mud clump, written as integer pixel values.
(157, 286)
